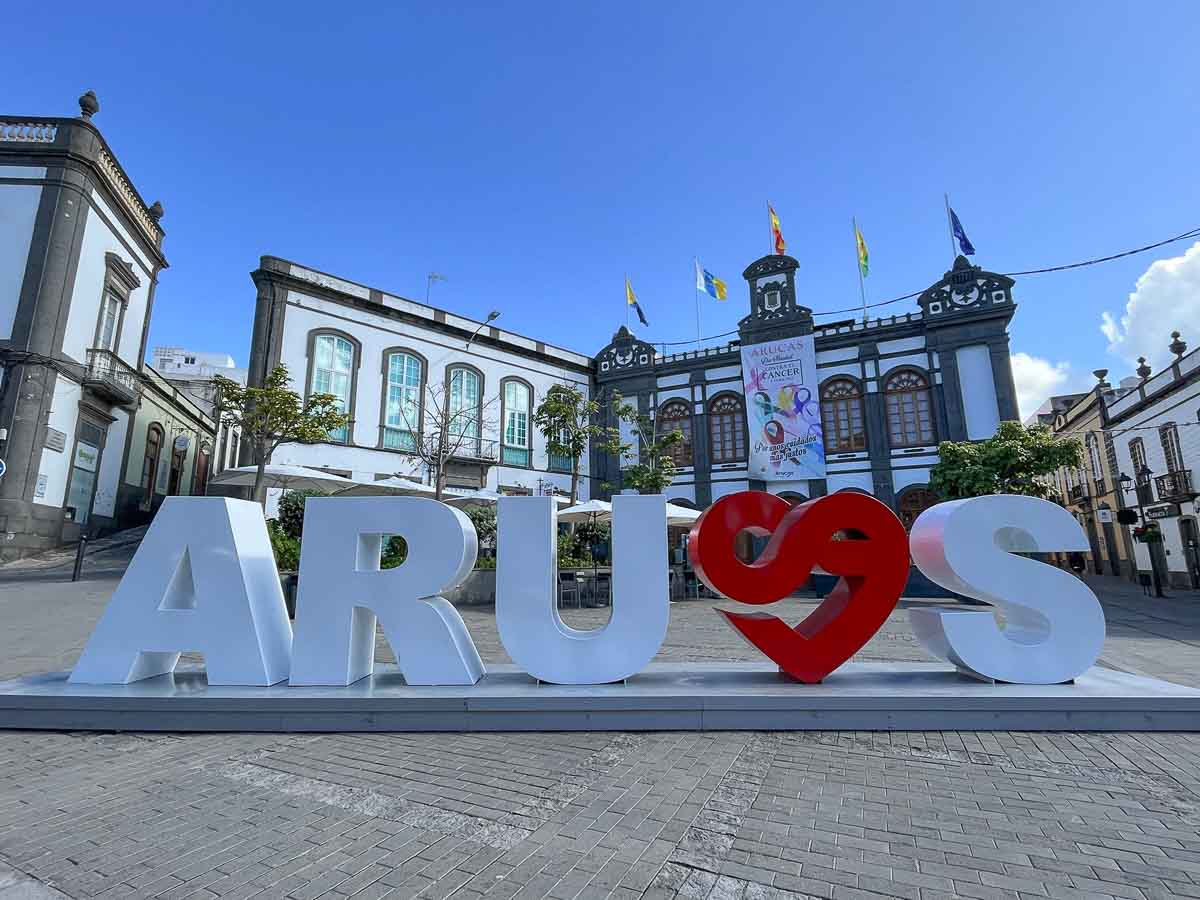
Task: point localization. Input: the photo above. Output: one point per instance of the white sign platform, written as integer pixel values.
(664, 696)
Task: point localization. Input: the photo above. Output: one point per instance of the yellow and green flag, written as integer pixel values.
(864, 258)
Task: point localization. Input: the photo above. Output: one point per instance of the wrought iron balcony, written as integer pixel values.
(108, 376)
(1174, 487)
(1077, 493)
(476, 451)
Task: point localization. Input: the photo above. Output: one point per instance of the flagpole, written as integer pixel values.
(696, 291)
(862, 289)
(770, 229)
(950, 225)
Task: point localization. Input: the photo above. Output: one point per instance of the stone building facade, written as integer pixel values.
(890, 388)
(80, 256)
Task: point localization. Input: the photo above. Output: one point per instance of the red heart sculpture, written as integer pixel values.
(872, 559)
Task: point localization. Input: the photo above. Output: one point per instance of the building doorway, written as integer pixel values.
(178, 455)
(1190, 538)
(81, 487)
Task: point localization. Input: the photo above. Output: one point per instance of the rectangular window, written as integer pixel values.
(110, 318)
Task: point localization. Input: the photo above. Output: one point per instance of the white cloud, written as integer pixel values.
(1165, 299)
(1036, 379)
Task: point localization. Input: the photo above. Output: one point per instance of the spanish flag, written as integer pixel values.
(776, 232)
(631, 299)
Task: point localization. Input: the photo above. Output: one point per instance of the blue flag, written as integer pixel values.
(963, 241)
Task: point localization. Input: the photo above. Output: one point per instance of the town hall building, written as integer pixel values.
(889, 389)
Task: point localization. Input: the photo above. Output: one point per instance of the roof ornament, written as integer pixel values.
(156, 210)
(1177, 346)
(88, 105)
(1143, 370)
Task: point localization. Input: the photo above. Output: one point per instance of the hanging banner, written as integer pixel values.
(783, 412)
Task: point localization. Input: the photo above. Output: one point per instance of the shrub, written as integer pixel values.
(285, 547)
(291, 511)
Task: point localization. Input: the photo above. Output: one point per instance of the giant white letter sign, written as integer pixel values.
(203, 580)
(1054, 626)
(342, 589)
(527, 589)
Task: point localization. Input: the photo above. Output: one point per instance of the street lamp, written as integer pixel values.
(1143, 475)
(429, 280)
(491, 317)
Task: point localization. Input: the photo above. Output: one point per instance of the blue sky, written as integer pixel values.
(536, 153)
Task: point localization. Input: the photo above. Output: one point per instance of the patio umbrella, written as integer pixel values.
(396, 487)
(290, 478)
(588, 511)
(681, 515)
(485, 497)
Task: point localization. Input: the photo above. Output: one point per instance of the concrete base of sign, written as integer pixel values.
(665, 696)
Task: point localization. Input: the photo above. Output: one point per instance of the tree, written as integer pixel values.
(654, 468)
(565, 417)
(272, 415)
(448, 428)
(1016, 460)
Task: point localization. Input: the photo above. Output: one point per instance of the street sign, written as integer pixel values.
(1104, 516)
(1163, 512)
(3, 468)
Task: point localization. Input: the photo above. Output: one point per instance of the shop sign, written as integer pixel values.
(204, 580)
(1162, 512)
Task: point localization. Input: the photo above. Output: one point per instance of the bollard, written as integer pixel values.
(79, 551)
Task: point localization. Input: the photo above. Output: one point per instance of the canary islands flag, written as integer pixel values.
(709, 283)
(632, 300)
(864, 258)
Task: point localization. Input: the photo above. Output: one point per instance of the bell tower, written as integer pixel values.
(774, 312)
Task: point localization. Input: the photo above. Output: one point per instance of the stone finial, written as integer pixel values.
(1143, 370)
(1177, 346)
(156, 210)
(1100, 374)
(88, 105)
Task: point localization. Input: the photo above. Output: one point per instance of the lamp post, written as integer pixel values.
(491, 317)
(1144, 474)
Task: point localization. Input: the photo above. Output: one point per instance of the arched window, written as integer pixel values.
(842, 416)
(150, 457)
(727, 428)
(913, 502)
(909, 412)
(464, 401)
(676, 415)
(404, 373)
(333, 373)
(515, 399)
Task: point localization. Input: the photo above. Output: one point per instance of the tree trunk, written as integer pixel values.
(260, 489)
(575, 483)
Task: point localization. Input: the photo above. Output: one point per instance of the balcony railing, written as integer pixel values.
(1174, 487)
(110, 377)
(1076, 493)
(475, 450)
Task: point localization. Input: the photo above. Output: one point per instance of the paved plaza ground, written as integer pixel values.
(721, 815)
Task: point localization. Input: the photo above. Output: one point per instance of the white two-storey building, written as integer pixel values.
(392, 363)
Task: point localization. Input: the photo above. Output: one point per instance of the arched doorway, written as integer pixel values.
(912, 502)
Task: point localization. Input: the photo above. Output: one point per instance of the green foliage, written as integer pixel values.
(484, 520)
(291, 511)
(570, 554)
(565, 418)
(273, 414)
(655, 469)
(286, 547)
(1016, 460)
(395, 551)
